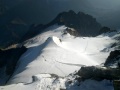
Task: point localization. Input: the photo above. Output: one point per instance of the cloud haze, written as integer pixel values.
(107, 12)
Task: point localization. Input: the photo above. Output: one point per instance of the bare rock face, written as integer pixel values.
(106, 30)
(92, 72)
(114, 57)
(72, 32)
(99, 74)
(116, 84)
(85, 24)
(9, 58)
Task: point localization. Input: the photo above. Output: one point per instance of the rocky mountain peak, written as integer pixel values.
(85, 24)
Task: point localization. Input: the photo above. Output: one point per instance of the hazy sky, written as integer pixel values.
(107, 12)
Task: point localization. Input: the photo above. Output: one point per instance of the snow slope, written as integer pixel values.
(48, 82)
(52, 52)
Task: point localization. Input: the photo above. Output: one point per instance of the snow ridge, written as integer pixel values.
(53, 53)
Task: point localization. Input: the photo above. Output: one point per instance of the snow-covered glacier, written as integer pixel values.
(53, 52)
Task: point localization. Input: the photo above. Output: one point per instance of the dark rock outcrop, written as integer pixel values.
(9, 58)
(101, 73)
(106, 30)
(85, 24)
(114, 57)
(92, 72)
(71, 31)
(116, 84)
(96, 73)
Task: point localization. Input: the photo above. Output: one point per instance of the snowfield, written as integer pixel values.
(52, 52)
(47, 82)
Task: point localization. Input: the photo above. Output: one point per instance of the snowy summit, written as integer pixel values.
(55, 53)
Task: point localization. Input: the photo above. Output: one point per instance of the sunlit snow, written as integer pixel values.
(52, 52)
